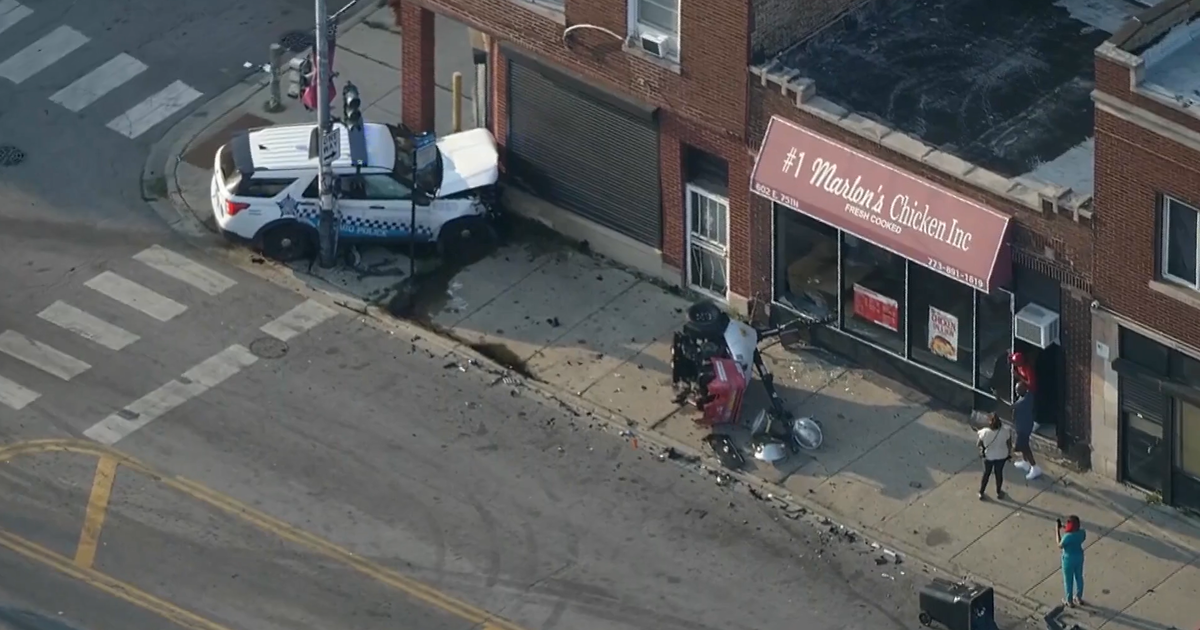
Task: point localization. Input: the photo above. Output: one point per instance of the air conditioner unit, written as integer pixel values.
(655, 43)
(1036, 325)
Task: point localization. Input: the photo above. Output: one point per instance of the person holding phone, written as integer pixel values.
(995, 447)
(1070, 539)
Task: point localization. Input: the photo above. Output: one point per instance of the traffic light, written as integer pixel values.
(351, 104)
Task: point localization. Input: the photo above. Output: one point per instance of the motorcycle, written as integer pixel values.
(713, 359)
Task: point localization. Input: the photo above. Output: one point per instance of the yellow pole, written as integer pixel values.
(456, 94)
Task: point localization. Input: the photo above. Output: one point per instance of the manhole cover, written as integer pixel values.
(10, 155)
(297, 41)
(268, 348)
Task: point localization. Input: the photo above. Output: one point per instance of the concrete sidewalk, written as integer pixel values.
(893, 466)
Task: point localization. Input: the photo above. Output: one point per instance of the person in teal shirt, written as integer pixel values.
(1070, 539)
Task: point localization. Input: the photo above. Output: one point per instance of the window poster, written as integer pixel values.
(876, 308)
(943, 334)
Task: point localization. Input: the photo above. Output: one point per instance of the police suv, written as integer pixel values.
(265, 181)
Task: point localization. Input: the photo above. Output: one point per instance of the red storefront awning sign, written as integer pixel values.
(883, 204)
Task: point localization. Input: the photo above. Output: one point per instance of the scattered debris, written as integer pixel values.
(672, 454)
(725, 450)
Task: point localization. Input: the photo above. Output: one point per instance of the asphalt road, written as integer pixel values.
(75, 166)
(445, 476)
(391, 490)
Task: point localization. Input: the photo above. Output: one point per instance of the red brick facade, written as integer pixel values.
(1053, 244)
(1134, 166)
(710, 101)
(701, 103)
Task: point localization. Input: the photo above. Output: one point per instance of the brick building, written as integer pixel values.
(1146, 363)
(637, 125)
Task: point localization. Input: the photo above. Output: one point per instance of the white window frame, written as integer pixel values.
(1165, 242)
(719, 249)
(637, 28)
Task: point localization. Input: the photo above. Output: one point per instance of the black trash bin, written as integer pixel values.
(957, 606)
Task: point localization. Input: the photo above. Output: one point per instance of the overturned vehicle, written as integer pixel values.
(713, 360)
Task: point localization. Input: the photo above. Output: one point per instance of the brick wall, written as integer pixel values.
(1076, 341)
(1134, 166)
(417, 67)
(1114, 79)
(1064, 245)
(1053, 244)
(710, 86)
(702, 103)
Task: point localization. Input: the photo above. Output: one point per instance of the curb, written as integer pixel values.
(168, 151)
(1022, 608)
(174, 210)
(780, 497)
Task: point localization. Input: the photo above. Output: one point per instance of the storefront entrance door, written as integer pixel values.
(1143, 415)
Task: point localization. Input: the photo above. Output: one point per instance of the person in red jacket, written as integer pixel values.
(1023, 371)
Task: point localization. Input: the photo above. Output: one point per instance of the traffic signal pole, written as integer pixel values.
(326, 226)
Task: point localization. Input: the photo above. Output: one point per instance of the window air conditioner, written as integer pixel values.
(1036, 325)
(654, 43)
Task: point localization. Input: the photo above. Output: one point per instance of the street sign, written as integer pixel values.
(330, 147)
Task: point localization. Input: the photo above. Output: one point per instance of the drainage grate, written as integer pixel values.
(10, 155)
(297, 41)
(268, 348)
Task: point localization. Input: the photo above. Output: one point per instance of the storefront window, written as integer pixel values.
(941, 312)
(1187, 443)
(873, 293)
(993, 321)
(806, 263)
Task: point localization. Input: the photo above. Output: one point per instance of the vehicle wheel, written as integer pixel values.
(288, 242)
(465, 241)
(706, 319)
(925, 619)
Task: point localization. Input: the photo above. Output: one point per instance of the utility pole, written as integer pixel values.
(326, 228)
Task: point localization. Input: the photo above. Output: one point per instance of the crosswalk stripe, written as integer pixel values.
(87, 326)
(12, 12)
(298, 320)
(39, 55)
(41, 356)
(90, 87)
(184, 269)
(16, 396)
(159, 107)
(201, 378)
(136, 296)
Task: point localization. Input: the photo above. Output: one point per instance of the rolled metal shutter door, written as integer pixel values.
(586, 156)
(1141, 396)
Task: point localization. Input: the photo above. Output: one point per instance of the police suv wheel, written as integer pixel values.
(466, 240)
(287, 243)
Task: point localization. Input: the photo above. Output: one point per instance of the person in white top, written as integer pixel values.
(995, 446)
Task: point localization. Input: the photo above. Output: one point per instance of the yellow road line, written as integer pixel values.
(274, 526)
(97, 508)
(391, 578)
(116, 588)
